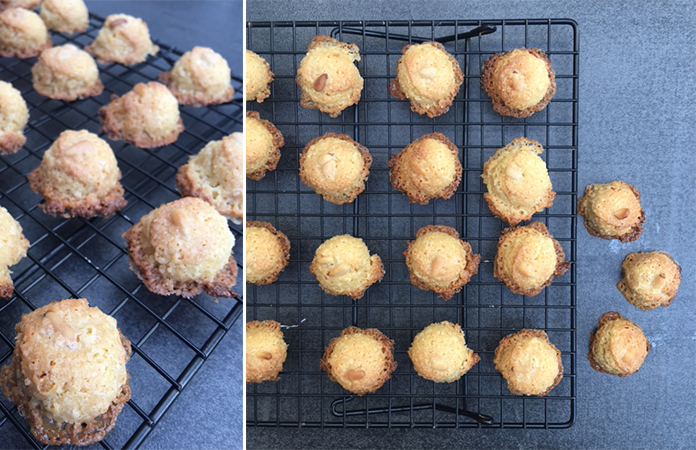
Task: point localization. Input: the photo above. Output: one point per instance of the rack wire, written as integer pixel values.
(171, 337)
(386, 221)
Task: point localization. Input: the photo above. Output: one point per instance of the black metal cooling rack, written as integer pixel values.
(171, 337)
(386, 221)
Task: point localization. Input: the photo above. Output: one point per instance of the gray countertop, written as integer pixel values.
(208, 414)
(637, 91)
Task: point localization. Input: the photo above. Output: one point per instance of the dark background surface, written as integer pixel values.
(208, 415)
(637, 91)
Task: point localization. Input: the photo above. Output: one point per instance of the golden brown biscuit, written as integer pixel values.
(14, 115)
(66, 73)
(426, 169)
(257, 78)
(183, 248)
(68, 372)
(26, 4)
(79, 177)
(65, 16)
(530, 364)
(343, 266)
(329, 79)
(147, 117)
(612, 211)
(262, 143)
(649, 279)
(439, 261)
(14, 247)
(335, 167)
(267, 252)
(22, 34)
(265, 351)
(519, 82)
(518, 182)
(439, 353)
(359, 360)
(528, 258)
(428, 77)
(618, 346)
(123, 39)
(200, 77)
(216, 175)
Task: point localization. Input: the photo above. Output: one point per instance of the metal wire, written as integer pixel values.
(382, 216)
(171, 337)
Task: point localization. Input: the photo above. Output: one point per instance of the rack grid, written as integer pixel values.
(383, 218)
(171, 337)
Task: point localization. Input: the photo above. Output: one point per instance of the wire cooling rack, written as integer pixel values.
(172, 337)
(383, 217)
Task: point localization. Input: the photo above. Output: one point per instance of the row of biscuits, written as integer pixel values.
(519, 83)
(183, 247)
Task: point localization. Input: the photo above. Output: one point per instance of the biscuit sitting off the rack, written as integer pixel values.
(22, 34)
(329, 79)
(359, 360)
(68, 372)
(266, 351)
(612, 211)
(439, 261)
(184, 248)
(267, 252)
(14, 115)
(650, 279)
(66, 73)
(147, 117)
(517, 181)
(618, 346)
(426, 169)
(343, 266)
(428, 77)
(123, 39)
(79, 177)
(257, 78)
(200, 77)
(263, 140)
(519, 82)
(216, 175)
(14, 247)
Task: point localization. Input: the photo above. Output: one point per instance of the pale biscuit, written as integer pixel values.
(66, 73)
(22, 34)
(650, 279)
(122, 39)
(263, 140)
(14, 115)
(266, 351)
(65, 16)
(618, 346)
(439, 353)
(257, 78)
(612, 211)
(267, 252)
(200, 77)
(14, 247)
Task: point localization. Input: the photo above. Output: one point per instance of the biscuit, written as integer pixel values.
(329, 79)
(530, 364)
(200, 77)
(649, 279)
(14, 115)
(183, 248)
(14, 247)
(257, 78)
(428, 77)
(528, 258)
(335, 167)
(439, 261)
(343, 266)
(122, 39)
(216, 175)
(612, 211)
(517, 181)
(262, 143)
(22, 34)
(439, 353)
(519, 82)
(26, 4)
(265, 351)
(267, 252)
(68, 372)
(79, 177)
(618, 346)
(359, 360)
(65, 16)
(426, 169)
(147, 117)
(66, 73)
